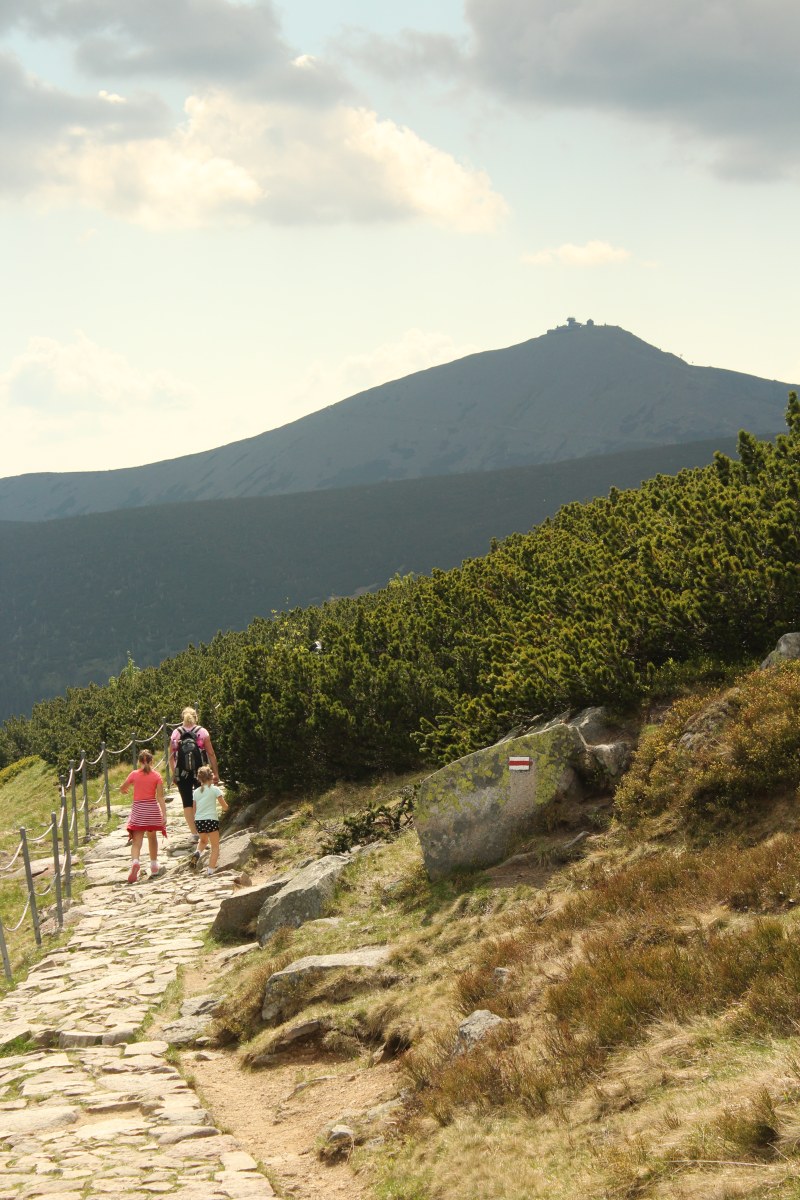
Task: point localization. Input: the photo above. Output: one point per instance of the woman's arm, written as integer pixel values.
(212, 758)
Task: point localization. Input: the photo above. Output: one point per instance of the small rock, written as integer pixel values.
(197, 1006)
(475, 1028)
(501, 976)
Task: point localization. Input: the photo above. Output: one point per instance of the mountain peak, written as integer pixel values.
(580, 389)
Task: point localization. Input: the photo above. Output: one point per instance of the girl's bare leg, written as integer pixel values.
(137, 837)
(152, 846)
(214, 857)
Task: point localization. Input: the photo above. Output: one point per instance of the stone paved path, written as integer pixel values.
(94, 1112)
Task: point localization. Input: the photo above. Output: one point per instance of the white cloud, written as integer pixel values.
(591, 254)
(278, 162)
(76, 405)
(68, 378)
(415, 350)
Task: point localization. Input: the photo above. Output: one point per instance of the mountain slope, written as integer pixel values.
(586, 390)
(80, 592)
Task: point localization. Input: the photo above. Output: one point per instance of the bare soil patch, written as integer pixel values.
(279, 1114)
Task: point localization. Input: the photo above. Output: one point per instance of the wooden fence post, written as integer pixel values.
(166, 740)
(37, 933)
(85, 790)
(65, 842)
(134, 749)
(4, 951)
(57, 870)
(104, 754)
(73, 792)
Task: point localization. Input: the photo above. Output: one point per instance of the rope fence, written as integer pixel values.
(65, 835)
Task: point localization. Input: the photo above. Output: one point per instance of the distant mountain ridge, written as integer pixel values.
(576, 391)
(73, 605)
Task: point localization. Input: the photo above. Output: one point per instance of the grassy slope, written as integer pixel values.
(652, 1048)
(27, 799)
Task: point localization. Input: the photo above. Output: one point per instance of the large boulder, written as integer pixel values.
(238, 912)
(475, 811)
(303, 898)
(788, 647)
(472, 813)
(284, 990)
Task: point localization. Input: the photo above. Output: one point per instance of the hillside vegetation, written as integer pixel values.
(73, 601)
(608, 602)
(649, 981)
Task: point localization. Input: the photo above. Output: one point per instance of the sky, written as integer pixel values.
(217, 216)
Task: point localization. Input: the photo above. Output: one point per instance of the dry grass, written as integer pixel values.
(717, 756)
(652, 991)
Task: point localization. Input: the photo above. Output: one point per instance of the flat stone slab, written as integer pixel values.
(37, 1119)
(281, 988)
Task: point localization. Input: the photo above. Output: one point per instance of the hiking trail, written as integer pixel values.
(93, 1112)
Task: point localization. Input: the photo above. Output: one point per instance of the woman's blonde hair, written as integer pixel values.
(205, 775)
(145, 760)
(189, 714)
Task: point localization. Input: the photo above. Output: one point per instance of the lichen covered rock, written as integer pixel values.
(473, 812)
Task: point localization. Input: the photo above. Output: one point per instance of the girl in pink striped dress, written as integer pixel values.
(148, 814)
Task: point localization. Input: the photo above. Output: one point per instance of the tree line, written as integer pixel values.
(599, 604)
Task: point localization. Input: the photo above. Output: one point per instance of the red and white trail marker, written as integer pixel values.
(519, 763)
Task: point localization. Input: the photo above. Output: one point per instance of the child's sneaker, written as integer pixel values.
(156, 870)
(133, 874)
(211, 870)
(194, 861)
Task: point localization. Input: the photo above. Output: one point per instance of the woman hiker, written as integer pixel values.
(148, 813)
(189, 747)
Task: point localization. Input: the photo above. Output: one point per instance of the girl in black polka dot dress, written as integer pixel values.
(205, 800)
